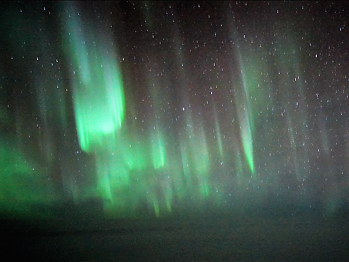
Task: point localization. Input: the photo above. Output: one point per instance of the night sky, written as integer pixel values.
(159, 106)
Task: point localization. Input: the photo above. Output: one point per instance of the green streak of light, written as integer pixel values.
(98, 96)
(246, 117)
(246, 135)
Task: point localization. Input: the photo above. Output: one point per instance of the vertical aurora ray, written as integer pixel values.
(251, 98)
(244, 105)
(157, 138)
(158, 149)
(98, 108)
(99, 101)
(246, 135)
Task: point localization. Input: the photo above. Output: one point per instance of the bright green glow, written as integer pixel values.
(246, 136)
(99, 105)
(245, 129)
(99, 101)
(245, 113)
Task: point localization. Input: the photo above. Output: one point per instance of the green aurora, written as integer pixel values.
(154, 138)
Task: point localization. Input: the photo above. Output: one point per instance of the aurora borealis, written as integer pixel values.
(160, 106)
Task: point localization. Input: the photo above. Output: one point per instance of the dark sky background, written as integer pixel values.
(228, 103)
